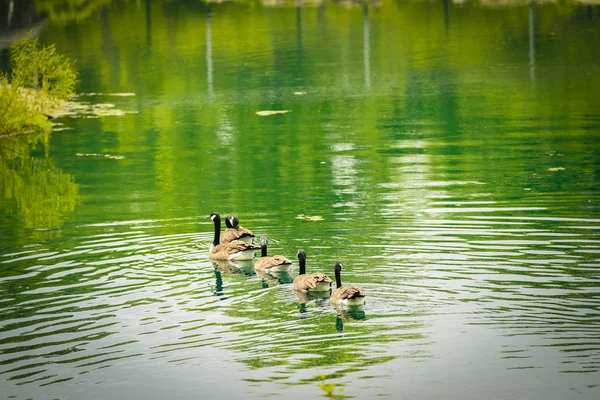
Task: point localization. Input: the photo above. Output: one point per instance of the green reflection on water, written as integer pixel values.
(462, 101)
(35, 195)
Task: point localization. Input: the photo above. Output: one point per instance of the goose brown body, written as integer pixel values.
(237, 250)
(232, 251)
(271, 263)
(235, 232)
(315, 282)
(346, 295)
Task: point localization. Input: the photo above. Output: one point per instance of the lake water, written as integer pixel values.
(447, 154)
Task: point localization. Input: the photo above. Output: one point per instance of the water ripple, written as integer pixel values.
(110, 298)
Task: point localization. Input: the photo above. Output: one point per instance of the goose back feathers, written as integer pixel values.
(235, 232)
(271, 263)
(346, 295)
(315, 282)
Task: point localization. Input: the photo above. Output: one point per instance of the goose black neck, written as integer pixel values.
(302, 264)
(217, 222)
(263, 247)
(338, 275)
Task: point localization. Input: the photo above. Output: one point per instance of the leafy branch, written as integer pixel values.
(41, 80)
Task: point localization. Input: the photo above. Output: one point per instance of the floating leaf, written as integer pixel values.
(310, 217)
(327, 388)
(266, 113)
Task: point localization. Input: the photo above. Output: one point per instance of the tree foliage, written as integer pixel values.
(41, 79)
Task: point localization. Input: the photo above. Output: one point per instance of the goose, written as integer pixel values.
(315, 282)
(345, 295)
(270, 264)
(235, 232)
(228, 251)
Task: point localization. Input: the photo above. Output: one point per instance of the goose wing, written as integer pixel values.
(231, 235)
(347, 292)
(265, 263)
(310, 281)
(233, 248)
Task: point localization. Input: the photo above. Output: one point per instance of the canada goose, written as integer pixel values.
(345, 295)
(270, 264)
(315, 282)
(236, 232)
(228, 251)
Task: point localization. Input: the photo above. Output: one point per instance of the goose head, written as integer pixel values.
(263, 246)
(228, 221)
(235, 221)
(215, 216)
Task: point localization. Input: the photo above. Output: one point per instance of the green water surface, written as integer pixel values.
(446, 153)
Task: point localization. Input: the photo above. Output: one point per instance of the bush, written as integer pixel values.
(40, 81)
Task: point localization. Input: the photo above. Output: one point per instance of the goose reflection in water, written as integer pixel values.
(227, 267)
(239, 267)
(355, 313)
(273, 278)
(318, 299)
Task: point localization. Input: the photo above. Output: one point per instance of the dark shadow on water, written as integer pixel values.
(19, 18)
